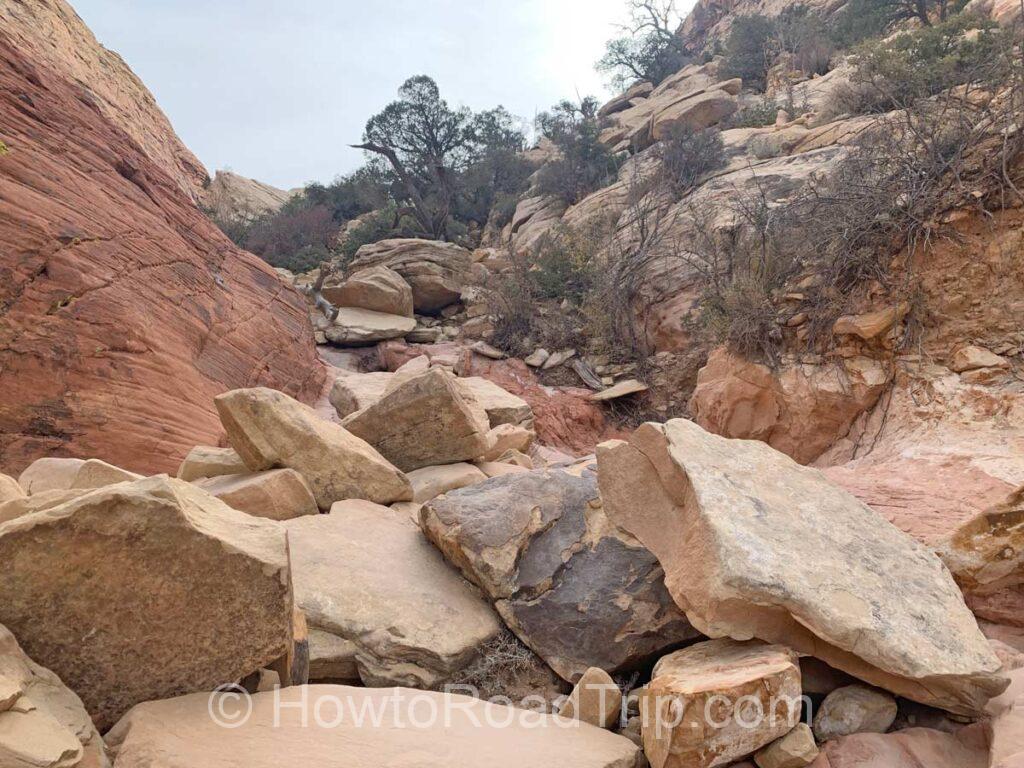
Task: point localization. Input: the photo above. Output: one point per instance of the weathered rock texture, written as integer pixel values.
(42, 723)
(376, 288)
(907, 749)
(577, 590)
(354, 327)
(146, 590)
(436, 271)
(270, 429)
(230, 197)
(181, 734)
(744, 534)
(854, 709)
(366, 574)
(125, 309)
(279, 494)
(207, 461)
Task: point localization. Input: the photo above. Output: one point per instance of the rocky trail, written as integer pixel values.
(256, 518)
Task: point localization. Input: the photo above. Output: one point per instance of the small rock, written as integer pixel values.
(431, 482)
(969, 357)
(595, 699)
(854, 709)
(537, 358)
(622, 389)
(558, 358)
(507, 437)
(485, 349)
(871, 324)
(794, 750)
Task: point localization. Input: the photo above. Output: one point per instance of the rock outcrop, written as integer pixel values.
(125, 309)
(436, 271)
(366, 574)
(145, 590)
(754, 545)
(230, 197)
(539, 545)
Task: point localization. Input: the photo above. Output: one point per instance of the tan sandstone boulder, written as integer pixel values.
(431, 482)
(912, 748)
(970, 358)
(400, 727)
(854, 709)
(270, 429)
(794, 750)
(717, 702)
(366, 574)
(755, 545)
(142, 590)
(207, 461)
(354, 327)
(423, 420)
(9, 489)
(595, 699)
(507, 437)
(37, 502)
(435, 271)
(42, 723)
(378, 289)
(49, 474)
(279, 494)
(95, 473)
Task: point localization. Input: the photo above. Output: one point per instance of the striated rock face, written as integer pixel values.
(52, 35)
(754, 545)
(144, 590)
(577, 590)
(232, 197)
(125, 311)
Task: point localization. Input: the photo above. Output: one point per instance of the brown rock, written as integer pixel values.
(870, 325)
(378, 289)
(141, 590)
(854, 709)
(270, 429)
(719, 701)
(42, 723)
(622, 389)
(435, 271)
(969, 358)
(279, 494)
(743, 531)
(9, 489)
(431, 482)
(332, 658)
(507, 437)
(206, 461)
(424, 420)
(466, 732)
(125, 309)
(595, 699)
(794, 750)
(355, 327)
(96, 474)
(50, 474)
(911, 748)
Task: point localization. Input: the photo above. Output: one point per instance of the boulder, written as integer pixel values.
(539, 545)
(754, 545)
(37, 502)
(912, 748)
(502, 407)
(423, 420)
(352, 392)
(49, 474)
(854, 709)
(270, 429)
(359, 327)
(699, 112)
(435, 271)
(42, 723)
(378, 289)
(430, 482)
(870, 325)
(207, 461)
(499, 468)
(507, 437)
(537, 358)
(367, 575)
(622, 389)
(794, 750)
(332, 658)
(718, 701)
(96, 474)
(9, 489)
(278, 494)
(970, 357)
(142, 590)
(595, 699)
(399, 727)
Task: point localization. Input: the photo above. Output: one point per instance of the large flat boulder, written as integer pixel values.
(423, 420)
(270, 429)
(42, 723)
(399, 729)
(754, 545)
(577, 590)
(278, 494)
(367, 575)
(435, 271)
(355, 327)
(376, 288)
(145, 590)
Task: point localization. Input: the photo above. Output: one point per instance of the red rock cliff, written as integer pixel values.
(123, 310)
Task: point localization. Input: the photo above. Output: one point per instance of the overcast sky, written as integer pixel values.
(277, 90)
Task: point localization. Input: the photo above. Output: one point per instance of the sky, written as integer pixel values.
(278, 90)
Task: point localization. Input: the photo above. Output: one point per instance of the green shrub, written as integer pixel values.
(584, 164)
(749, 50)
(564, 264)
(687, 155)
(758, 115)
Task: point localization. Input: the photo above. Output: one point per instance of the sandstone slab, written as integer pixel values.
(9, 489)
(367, 575)
(378, 289)
(423, 420)
(208, 461)
(854, 709)
(430, 482)
(718, 701)
(435, 271)
(794, 750)
(970, 357)
(270, 429)
(355, 327)
(49, 474)
(278, 494)
(143, 590)
(744, 534)
(36, 503)
(95, 473)
(574, 588)
(179, 733)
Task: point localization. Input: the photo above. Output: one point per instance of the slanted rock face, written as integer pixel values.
(230, 197)
(435, 271)
(125, 309)
(754, 545)
(718, 701)
(573, 587)
(279, 494)
(423, 420)
(366, 574)
(143, 590)
(42, 723)
(474, 732)
(378, 289)
(270, 429)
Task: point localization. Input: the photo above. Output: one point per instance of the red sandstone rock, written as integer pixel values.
(125, 311)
